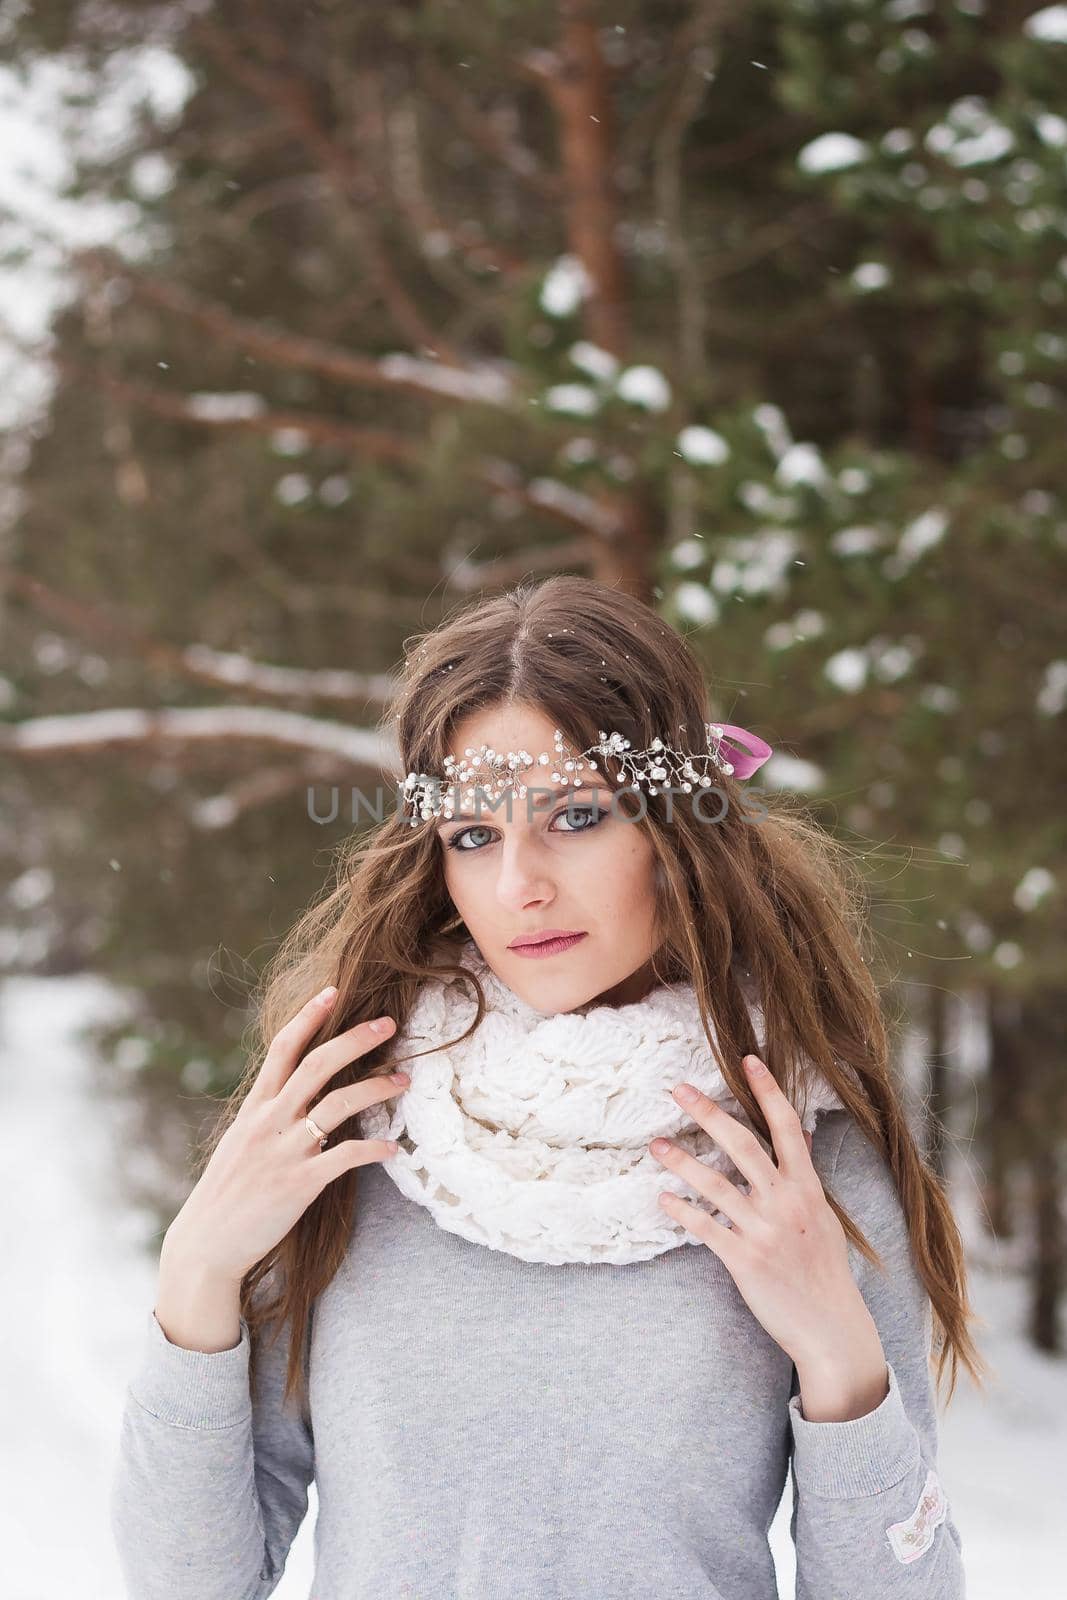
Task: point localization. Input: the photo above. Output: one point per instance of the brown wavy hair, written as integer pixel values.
(782, 902)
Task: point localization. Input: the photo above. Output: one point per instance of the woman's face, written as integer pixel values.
(531, 867)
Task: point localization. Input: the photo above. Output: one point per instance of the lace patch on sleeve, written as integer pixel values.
(912, 1537)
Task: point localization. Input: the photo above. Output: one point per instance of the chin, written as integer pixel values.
(552, 994)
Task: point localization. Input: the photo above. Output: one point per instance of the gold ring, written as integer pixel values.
(313, 1128)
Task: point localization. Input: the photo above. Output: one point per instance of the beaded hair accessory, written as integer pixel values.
(489, 772)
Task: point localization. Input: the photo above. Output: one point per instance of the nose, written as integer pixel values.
(522, 880)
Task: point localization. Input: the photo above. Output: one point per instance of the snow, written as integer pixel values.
(695, 603)
(868, 275)
(847, 669)
(1035, 885)
(152, 175)
(856, 541)
(762, 501)
(594, 362)
(897, 141)
(806, 624)
(289, 441)
(755, 565)
(802, 463)
(922, 534)
(1052, 695)
(900, 10)
(1049, 25)
(483, 384)
(702, 447)
(41, 120)
(644, 386)
(809, 622)
(939, 697)
(770, 420)
(574, 399)
(31, 888)
(784, 771)
(580, 451)
(832, 152)
(293, 489)
(335, 490)
(339, 683)
(894, 661)
(566, 284)
(579, 508)
(225, 407)
(688, 553)
(81, 1270)
(988, 139)
(120, 725)
(1051, 129)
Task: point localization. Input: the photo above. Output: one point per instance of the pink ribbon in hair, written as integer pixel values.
(744, 764)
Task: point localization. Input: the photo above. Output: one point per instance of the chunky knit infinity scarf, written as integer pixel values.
(532, 1135)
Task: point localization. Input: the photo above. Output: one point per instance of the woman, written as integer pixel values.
(510, 1365)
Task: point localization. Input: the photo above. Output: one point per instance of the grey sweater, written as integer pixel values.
(483, 1426)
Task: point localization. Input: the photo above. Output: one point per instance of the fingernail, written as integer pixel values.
(326, 994)
(685, 1091)
(754, 1065)
(382, 1025)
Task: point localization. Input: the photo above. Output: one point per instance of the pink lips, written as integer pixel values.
(548, 947)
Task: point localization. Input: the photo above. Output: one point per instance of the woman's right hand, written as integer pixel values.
(267, 1168)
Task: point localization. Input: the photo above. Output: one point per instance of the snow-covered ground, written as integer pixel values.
(79, 1279)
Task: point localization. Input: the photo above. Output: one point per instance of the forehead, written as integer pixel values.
(507, 728)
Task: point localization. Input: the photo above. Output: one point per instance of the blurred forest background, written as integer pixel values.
(758, 309)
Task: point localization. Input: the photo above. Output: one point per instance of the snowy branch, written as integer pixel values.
(225, 669)
(255, 417)
(257, 789)
(327, 683)
(250, 412)
(398, 371)
(64, 735)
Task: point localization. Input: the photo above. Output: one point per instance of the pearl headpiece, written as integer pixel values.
(489, 772)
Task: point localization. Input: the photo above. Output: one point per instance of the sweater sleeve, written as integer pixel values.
(871, 1519)
(209, 1490)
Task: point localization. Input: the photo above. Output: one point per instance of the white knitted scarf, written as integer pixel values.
(532, 1135)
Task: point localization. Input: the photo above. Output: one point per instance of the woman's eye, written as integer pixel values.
(454, 842)
(575, 813)
(571, 816)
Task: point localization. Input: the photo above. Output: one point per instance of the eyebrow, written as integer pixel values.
(541, 802)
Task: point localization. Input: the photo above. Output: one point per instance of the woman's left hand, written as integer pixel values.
(786, 1250)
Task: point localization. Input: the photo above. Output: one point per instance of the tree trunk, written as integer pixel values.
(1001, 1111)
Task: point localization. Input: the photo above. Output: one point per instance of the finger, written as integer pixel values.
(336, 1107)
(319, 1065)
(289, 1044)
(787, 1134)
(349, 1153)
(740, 1144)
(715, 1234)
(708, 1181)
